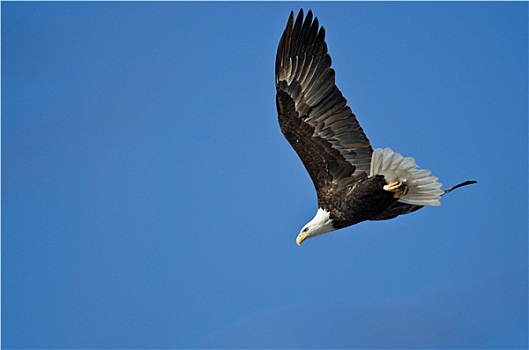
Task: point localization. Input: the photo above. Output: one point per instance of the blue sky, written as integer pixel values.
(149, 199)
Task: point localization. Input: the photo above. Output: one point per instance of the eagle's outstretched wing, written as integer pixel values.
(313, 114)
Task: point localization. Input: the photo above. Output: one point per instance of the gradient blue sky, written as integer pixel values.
(149, 199)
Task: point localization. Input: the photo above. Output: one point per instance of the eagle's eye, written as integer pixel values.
(305, 229)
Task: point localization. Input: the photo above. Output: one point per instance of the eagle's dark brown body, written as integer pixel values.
(365, 199)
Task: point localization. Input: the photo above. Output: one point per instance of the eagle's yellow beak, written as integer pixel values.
(300, 238)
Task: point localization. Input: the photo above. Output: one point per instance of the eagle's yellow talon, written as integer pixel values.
(398, 187)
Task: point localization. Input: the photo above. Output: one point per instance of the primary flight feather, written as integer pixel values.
(354, 183)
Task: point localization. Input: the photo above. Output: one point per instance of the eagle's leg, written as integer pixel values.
(398, 187)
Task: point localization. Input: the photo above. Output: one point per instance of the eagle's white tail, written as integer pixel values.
(423, 189)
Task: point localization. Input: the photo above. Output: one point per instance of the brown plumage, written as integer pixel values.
(315, 119)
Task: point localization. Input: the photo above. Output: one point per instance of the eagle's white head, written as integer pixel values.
(320, 224)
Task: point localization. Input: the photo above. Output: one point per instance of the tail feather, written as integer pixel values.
(423, 188)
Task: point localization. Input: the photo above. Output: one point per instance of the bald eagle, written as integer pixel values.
(354, 183)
